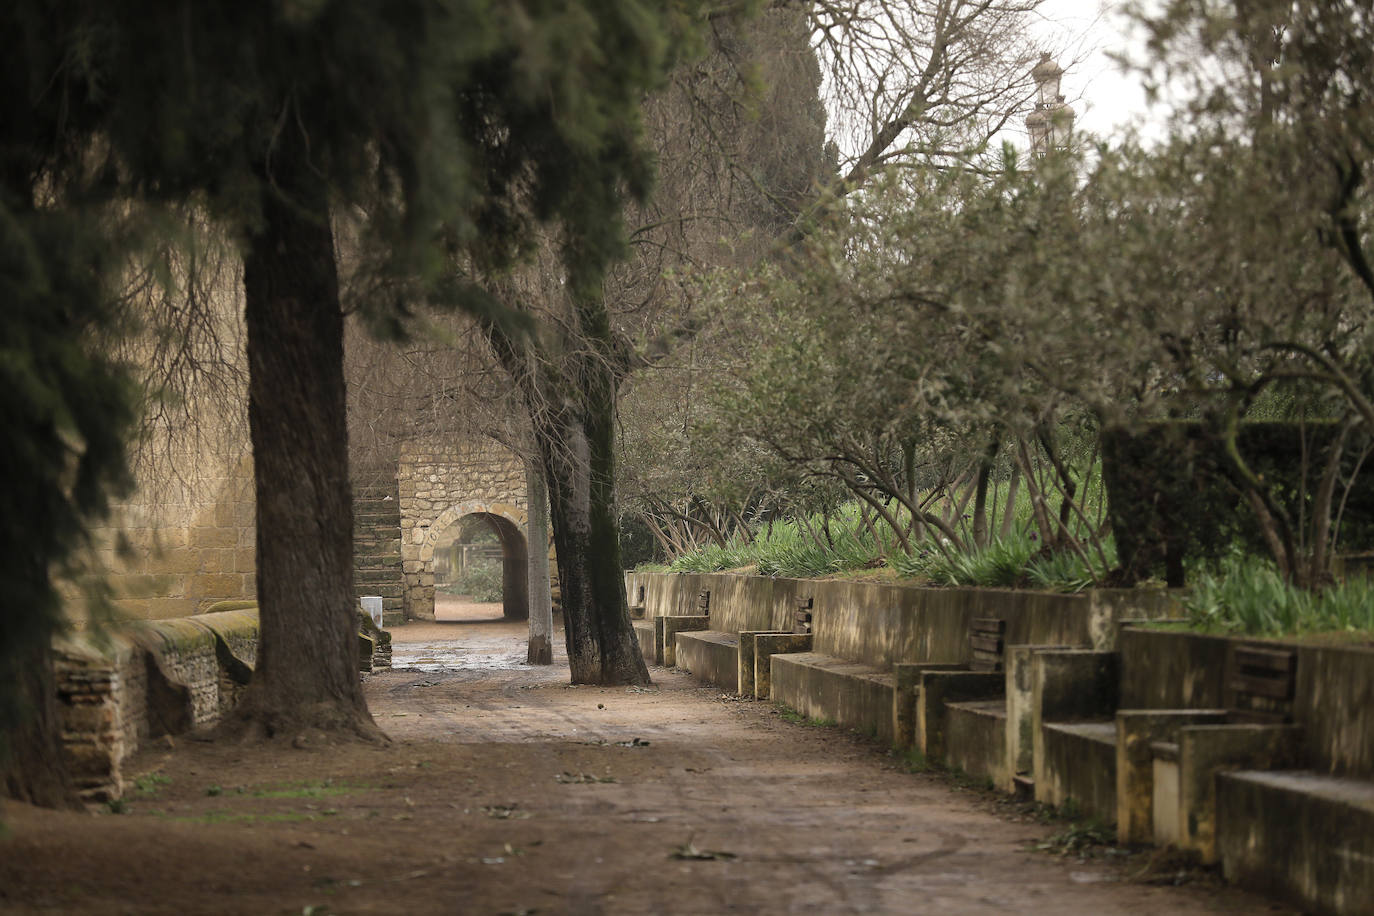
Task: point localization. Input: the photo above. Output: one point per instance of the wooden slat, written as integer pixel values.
(704, 599)
(804, 604)
(1250, 660)
(994, 625)
(1280, 688)
(991, 644)
(985, 664)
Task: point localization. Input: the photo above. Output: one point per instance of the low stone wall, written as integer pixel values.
(880, 625)
(121, 688)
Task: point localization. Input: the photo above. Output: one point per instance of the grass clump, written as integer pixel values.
(1002, 564)
(1247, 595)
(1016, 561)
(817, 545)
(149, 784)
(307, 789)
(1078, 839)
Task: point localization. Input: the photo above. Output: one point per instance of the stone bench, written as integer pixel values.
(1167, 760)
(644, 632)
(1075, 767)
(1074, 733)
(954, 713)
(709, 655)
(1298, 834)
(1184, 771)
(822, 686)
(976, 738)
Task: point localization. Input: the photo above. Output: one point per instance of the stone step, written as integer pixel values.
(379, 522)
(375, 548)
(374, 492)
(390, 507)
(392, 591)
(391, 564)
(374, 574)
(374, 540)
(389, 529)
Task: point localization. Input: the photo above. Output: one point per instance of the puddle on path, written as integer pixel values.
(455, 658)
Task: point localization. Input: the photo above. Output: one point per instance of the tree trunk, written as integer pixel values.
(1009, 510)
(537, 536)
(578, 452)
(307, 671)
(981, 537)
(31, 765)
(573, 410)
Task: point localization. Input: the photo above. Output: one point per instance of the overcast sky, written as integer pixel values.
(1084, 32)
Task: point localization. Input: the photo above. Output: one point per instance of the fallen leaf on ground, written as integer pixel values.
(688, 850)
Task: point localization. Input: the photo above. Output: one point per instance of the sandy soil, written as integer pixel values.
(508, 791)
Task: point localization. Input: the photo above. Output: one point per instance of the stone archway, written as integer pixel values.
(440, 483)
(508, 522)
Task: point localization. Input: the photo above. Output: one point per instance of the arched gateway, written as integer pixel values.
(439, 486)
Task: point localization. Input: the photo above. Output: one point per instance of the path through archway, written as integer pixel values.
(503, 520)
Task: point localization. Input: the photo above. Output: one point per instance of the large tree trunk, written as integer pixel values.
(577, 448)
(307, 671)
(572, 408)
(31, 765)
(537, 537)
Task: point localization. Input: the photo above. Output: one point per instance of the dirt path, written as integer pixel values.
(508, 791)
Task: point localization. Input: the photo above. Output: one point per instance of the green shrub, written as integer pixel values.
(1002, 564)
(480, 581)
(788, 548)
(1066, 571)
(1246, 594)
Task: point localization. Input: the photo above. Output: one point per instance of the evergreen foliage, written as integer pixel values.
(431, 130)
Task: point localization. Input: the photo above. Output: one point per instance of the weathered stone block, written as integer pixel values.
(906, 691)
(745, 662)
(1206, 750)
(1073, 688)
(1020, 719)
(216, 585)
(214, 537)
(1299, 835)
(1137, 731)
(1075, 765)
(938, 688)
(827, 688)
(976, 739)
(216, 560)
(710, 656)
(670, 627)
(144, 586)
(766, 645)
(644, 632)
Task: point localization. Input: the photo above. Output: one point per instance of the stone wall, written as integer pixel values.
(184, 539)
(119, 690)
(178, 547)
(438, 486)
(879, 624)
